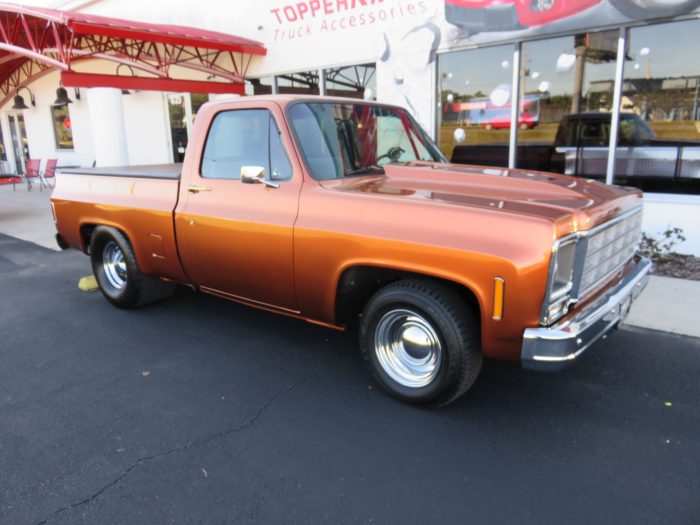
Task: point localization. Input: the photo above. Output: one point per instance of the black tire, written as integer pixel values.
(137, 289)
(452, 321)
(636, 9)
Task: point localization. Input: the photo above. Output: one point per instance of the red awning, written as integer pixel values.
(35, 41)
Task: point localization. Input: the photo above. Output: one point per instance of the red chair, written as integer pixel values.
(32, 172)
(50, 172)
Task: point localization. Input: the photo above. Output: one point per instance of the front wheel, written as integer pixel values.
(117, 273)
(421, 342)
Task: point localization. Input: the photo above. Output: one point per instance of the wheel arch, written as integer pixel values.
(357, 283)
(88, 227)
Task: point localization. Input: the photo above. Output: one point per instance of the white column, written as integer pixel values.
(515, 108)
(108, 129)
(616, 102)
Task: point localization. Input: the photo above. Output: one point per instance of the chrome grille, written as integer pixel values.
(609, 248)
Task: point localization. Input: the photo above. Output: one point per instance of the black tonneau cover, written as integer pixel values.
(151, 171)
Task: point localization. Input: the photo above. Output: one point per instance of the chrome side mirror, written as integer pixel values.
(256, 175)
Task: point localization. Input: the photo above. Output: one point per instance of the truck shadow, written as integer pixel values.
(628, 369)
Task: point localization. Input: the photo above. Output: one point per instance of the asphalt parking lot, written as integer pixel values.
(196, 410)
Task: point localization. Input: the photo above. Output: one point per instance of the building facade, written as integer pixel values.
(490, 80)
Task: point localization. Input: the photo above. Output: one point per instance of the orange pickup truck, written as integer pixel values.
(333, 210)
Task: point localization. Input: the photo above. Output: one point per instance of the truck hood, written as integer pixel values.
(572, 204)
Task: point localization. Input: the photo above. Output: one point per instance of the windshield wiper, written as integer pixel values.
(365, 170)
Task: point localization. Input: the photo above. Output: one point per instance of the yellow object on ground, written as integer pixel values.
(88, 284)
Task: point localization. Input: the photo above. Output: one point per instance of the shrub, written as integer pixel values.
(658, 248)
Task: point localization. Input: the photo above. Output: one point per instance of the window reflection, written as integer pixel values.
(304, 83)
(660, 92)
(353, 81)
(475, 95)
(259, 86)
(565, 76)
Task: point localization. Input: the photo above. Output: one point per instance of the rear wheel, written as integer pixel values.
(421, 342)
(118, 275)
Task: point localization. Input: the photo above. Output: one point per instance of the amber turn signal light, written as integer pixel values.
(498, 290)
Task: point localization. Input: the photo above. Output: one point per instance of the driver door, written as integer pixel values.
(236, 238)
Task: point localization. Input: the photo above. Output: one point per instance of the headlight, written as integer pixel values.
(560, 282)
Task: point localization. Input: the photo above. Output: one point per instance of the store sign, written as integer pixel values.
(316, 17)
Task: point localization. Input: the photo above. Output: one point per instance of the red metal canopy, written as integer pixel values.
(35, 41)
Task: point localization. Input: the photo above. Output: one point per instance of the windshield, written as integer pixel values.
(344, 139)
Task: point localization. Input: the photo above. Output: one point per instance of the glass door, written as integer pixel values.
(177, 111)
(18, 136)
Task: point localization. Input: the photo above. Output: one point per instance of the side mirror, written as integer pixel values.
(256, 175)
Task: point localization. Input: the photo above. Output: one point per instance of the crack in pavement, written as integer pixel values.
(194, 444)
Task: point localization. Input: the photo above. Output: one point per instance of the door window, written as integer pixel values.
(244, 137)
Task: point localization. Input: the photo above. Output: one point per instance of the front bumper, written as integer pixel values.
(553, 348)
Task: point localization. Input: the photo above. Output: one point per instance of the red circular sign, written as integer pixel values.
(66, 122)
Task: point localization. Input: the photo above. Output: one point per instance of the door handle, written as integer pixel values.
(197, 189)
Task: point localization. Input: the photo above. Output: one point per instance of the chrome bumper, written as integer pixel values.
(554, 348)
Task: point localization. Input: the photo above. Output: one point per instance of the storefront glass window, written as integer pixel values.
(198, 100)
(474, 89)
(352, 81)
(659, 136)
(258, 86)
(565, 105)
(304, 83)
(62, 127)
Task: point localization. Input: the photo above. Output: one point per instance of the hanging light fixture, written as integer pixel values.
(125, 91)
(62, 97)
(18, 100)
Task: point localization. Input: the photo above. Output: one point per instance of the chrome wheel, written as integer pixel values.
(114, 265)
(408, 348)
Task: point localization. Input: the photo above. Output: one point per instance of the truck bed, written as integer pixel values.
(138, 200)
(151, 171)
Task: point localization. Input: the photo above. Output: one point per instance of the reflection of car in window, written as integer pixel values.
(580, 148)
(502, 121)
